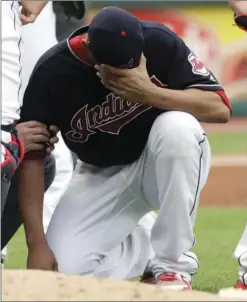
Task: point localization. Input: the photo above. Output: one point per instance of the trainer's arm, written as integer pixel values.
(31, 195)
(37, 106)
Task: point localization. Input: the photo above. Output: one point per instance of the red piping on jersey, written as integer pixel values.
(224, 97)
(75, 44)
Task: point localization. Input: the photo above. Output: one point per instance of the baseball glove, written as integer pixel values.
(241, 21)
(74, 9)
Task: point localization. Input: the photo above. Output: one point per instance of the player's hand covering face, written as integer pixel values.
(35, 135)
(239, 7)
(131, 84)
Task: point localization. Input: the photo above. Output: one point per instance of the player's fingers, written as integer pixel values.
(106, 85)
(109, 71)
(54, 129)
(112, 70)
(143, 61)
(39, 131)
(54, 140)
(50, 149)
(38, 138)
(111, 88)
(33, 124)
(35, 147)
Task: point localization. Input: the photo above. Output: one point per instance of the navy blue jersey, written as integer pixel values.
(97, 125)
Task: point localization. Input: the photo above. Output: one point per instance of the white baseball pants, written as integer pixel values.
(12, 47)
(11, 147)
(95, 230)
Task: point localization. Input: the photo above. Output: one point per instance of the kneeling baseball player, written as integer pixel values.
(127, 96)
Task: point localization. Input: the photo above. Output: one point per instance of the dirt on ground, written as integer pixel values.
(226, 187)
(227, 181)
(30, 285)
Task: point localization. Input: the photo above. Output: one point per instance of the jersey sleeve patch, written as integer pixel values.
(197, 66)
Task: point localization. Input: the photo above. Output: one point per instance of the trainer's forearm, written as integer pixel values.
(31, 195)
(206, 106)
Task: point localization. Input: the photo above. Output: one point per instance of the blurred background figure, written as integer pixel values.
(66, 25)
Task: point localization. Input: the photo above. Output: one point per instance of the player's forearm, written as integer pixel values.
(206, 106)
(31, 194)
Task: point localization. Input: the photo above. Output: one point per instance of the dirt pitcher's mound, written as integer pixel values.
(24, 285)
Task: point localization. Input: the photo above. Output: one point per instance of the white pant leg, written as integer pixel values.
(11, 61)
(94, 227)
(64, 172)
(176, 169)
(241, 256)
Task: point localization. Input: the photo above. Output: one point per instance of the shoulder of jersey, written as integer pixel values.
(157, 29)
(158, 38)
(51, 53)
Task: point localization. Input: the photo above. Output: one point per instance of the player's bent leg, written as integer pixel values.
(11, 220)
(177, 167)
(99, 211)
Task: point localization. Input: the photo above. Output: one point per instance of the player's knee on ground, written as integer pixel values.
(174, 134)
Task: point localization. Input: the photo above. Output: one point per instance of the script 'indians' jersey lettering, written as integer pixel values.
(108, 117)
(100, 127)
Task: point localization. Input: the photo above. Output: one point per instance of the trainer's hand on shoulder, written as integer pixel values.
(41, 257)
(35, 136)
(131, 84)
(30, 10)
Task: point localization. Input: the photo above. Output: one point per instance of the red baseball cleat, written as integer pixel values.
(174, 281)
(240, 285)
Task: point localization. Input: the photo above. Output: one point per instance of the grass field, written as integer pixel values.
(217, 230)
(228, 143)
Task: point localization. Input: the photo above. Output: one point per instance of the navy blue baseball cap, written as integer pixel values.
(116, 38)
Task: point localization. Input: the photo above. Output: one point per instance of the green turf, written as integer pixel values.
(217, 231)
(228, 143)
(17, 251)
